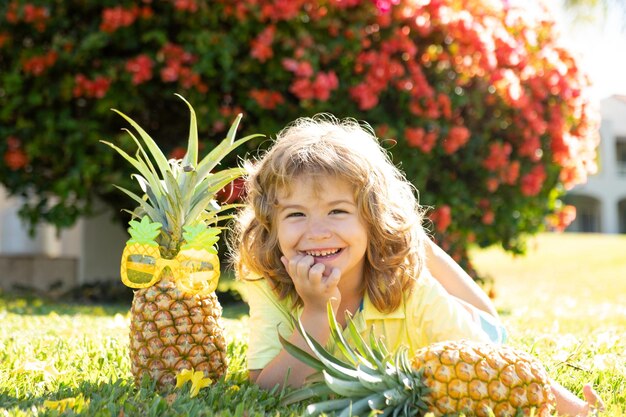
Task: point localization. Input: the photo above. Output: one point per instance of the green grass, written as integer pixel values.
(564, 302)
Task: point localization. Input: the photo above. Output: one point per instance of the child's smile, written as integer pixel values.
(318, 217)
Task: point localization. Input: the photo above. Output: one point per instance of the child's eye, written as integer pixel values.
(294, 214)
(338, 211)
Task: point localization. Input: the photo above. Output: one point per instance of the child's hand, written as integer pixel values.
(568, 404)
(314, 287)
(594, 405)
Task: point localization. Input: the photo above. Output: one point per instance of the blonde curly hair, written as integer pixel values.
(386, 202)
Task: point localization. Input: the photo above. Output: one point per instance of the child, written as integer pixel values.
(330, 218)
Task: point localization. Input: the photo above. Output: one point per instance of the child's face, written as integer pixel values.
(318, 217)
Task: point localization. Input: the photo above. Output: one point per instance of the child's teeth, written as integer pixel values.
(321, 253)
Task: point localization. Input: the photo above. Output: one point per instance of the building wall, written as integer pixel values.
(607, 188)
(88, 252)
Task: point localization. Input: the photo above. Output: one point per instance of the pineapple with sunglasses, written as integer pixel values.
(171, 258)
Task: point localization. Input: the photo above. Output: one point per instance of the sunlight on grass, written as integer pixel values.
(565, 301)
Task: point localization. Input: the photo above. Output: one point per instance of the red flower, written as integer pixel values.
(4, 39)
(37, 65)
(37, 16)
(417, 137)
(488, 217)
(533, 181)
(96, 88)
(177, 153)
(531, 147)
(345, 4)
(141, 68)
(186, 5)
(280, 9)
(492, 184)
(302, 88)
(261, 46)
(364, 96)
(498, 156)
(170, 52)
(385, 6)
(323, 84)
(171, 72)
(382, 131)
(445, 105)
(457, 137)
(442, 218)
(302, 69)
(116, 17)
(12, 12)
(267, 99)
(232, 192)
(99, 87)
(510, 174)
(15, 158)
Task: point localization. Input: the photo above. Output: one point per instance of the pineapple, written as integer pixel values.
(447, 378)
(171, 259)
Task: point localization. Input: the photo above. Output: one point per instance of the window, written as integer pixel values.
(620, 155)
(621, 210)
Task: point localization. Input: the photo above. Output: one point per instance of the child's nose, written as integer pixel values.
(318, 230)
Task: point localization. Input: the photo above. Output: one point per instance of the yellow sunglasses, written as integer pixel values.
(195, 269)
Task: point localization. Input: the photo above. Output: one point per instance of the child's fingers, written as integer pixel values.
(303, 265)
(298, 266)
(333, 279)
(592, 398)
(316, 272)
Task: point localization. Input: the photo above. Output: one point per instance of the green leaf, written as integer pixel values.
(191, 157)
(150, 211)
(326, 406)
(300, 354)
(306, 393)
(154, 149)
(140, 166)
(337, 336)
(334, 366)
(219, 152)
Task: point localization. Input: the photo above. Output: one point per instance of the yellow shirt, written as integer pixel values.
(428, 314)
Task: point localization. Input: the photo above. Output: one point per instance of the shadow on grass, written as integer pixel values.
(24, 302)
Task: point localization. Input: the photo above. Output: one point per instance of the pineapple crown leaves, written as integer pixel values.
(178, 193)
(201, 237)
(144, 232)
(370, 378)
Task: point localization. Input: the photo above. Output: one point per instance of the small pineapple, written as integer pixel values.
(446, 378)
(171, 259)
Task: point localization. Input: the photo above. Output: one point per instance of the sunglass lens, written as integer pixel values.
(140, 268)
(199, 275)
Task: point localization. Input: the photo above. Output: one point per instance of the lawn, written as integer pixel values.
(565, 302)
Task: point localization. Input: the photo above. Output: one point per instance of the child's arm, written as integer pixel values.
(316, 290)
(284, 368)
(455, 280)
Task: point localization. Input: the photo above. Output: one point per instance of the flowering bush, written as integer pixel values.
(486, 113)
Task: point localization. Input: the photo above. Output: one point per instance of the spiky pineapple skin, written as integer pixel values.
(171, 331)
(474, 378)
